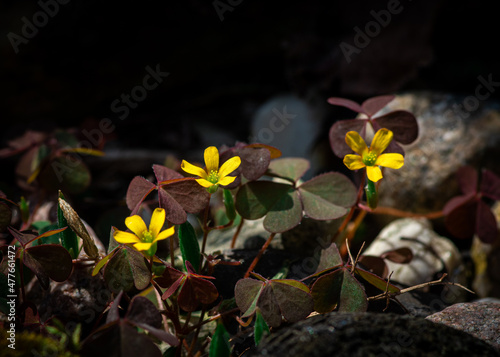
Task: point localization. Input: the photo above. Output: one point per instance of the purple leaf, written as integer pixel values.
(460, 219)
(137, 191)
(467, 179)
(339, 130)
(372, 105)
(486, 224)
(346, 103)
(402, 123)
(163, 173)
(490, 185)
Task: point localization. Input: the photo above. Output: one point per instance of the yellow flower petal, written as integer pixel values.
(353, 162)
(204, 183)
(125, 237)
(157, 221)
(229, 166)
(227, 180)
(355, 142)
(374, 173)
(136, 225)
(193, 170)
(164, 234)
(142, 246)
(381, 140)
(393, 161)
(212, 159)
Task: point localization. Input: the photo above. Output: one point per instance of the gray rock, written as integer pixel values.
(449, 137)
(371, 334)
(290, 124)
(480, 319)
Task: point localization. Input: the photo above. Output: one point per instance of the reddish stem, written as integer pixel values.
(259, 255)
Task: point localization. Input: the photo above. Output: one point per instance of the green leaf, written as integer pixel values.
(219, 346)
(293, 297)
(279, 202)
(352, 296)
(330, 257)
(327, 196)
(247, 292)
(189, 246)
(338, 289)
(260, 328)
(101, 264)
(274, 298)
(326, 291)
(125, 270)
(291, 169)
(24, 207)
(69, 240)
(376, 281)
(229, 204)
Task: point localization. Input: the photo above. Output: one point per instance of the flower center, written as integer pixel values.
(147, 237)
(213, 177)
(369, 159)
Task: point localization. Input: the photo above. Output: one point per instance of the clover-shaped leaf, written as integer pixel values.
(274, 298)
(194, 288)
(119, 336)
(46, 261)
(338, 287)
(176, 194)
(125, 269)
(255, 160)
(469, 213)
(401, 122)
(324, 197)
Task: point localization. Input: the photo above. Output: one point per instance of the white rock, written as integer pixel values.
(430, 251)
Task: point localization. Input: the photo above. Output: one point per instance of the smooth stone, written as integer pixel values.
(432, 253)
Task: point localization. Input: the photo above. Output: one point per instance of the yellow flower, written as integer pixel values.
(372, 157)
(213, 176)
(144, 239)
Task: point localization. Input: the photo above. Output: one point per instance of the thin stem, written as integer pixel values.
(205, 226)
(259, 255)
(348, 218)
(197, 331)
(172, 256)
(352, 231)
(215, 317)
(222, 226)
(161, 306)
(399, 213)
(237, 233)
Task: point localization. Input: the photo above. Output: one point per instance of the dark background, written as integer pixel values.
(91, 52)
(223, 67)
